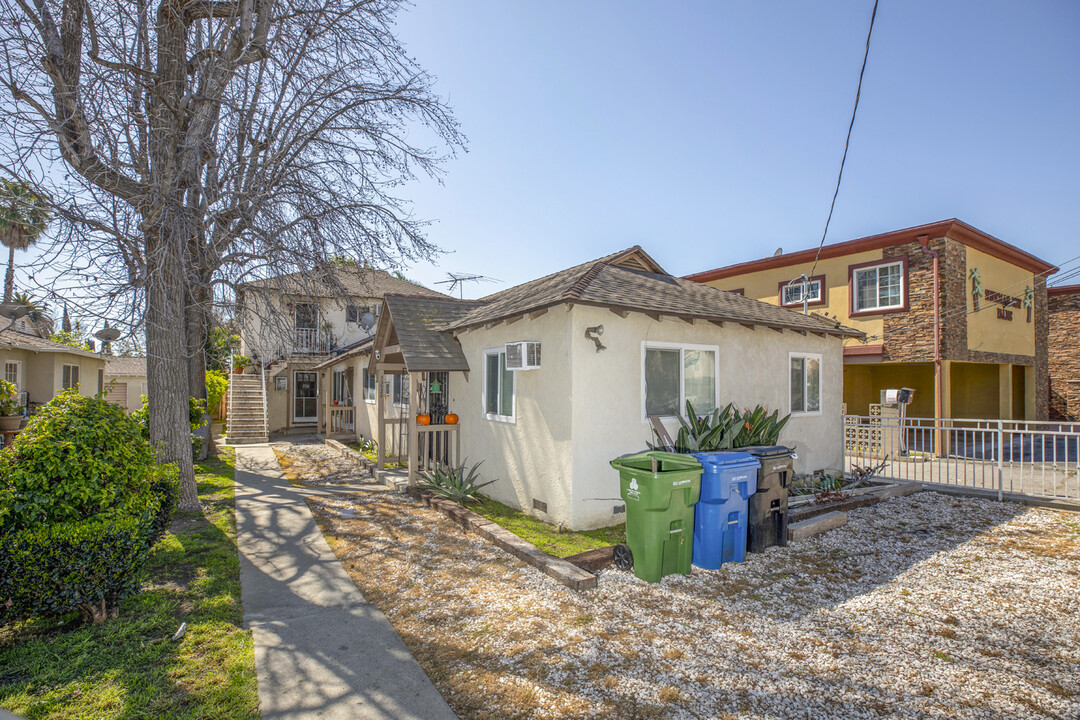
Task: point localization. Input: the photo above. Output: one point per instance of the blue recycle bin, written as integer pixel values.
(728, 480)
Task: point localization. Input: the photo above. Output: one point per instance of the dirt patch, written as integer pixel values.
(922, 606)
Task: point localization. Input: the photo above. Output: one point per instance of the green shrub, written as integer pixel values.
(195, 421)
(78, 458)
(89, 566)
(453, 483)
(217, 383)
(165, 487)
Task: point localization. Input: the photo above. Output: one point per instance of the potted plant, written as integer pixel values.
(10, 409)
(240, 363)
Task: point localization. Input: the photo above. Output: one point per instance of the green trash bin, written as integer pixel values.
(660, 490)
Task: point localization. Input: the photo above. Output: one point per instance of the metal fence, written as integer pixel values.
(1038, 459)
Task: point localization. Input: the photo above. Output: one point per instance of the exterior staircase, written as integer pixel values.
(247, 410)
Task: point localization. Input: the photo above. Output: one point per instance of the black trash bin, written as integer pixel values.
(768, 508)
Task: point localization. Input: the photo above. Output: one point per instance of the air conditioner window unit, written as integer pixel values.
(522, 355)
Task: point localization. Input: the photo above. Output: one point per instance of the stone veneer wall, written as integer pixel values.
(1063, 349)
(909, 336)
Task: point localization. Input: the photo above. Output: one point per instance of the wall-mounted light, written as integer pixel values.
(594, 333)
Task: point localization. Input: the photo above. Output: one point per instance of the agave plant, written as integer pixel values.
(727, 428)
(453, 483)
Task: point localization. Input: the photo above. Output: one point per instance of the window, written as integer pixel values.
(498, 386)
(400, 391)
(791, 293)
(341, 393)
(805, 383)
(674, 374)
(369, 386)
(11, 373)
(307, 316)
(353, 313)
(879, 287)
(70, 377)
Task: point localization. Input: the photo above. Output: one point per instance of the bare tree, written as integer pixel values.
(209, 142)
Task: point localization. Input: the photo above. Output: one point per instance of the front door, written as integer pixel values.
(305, 397)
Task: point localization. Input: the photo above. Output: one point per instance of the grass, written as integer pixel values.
(130, 667)
(548, 537)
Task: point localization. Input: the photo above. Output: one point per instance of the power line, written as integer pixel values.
(847, 141)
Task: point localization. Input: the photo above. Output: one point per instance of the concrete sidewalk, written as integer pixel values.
(321, 650)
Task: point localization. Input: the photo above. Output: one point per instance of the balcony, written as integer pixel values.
(307, 341)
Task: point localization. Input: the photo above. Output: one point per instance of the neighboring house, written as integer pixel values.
(610, 343)
(42, 368)
(1064, 352)
(291, 323)
(989, 319)
(125, 381)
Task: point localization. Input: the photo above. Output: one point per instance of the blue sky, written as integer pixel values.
(711, 132)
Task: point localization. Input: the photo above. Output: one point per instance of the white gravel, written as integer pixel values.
(927, 606)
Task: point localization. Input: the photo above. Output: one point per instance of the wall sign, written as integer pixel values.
(1004, 301)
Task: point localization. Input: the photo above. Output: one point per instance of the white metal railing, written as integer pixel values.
(1035, 458)
(229, 409)
(265, 409)
(437, 444)
(306, 341)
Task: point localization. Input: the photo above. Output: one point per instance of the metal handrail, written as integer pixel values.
(262, 384)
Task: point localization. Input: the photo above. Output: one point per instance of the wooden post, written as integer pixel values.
(327, 392)
(380, 414)
(412, 441)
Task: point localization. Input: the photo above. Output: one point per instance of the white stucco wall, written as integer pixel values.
(267, 323)
(136, 388)
(530, 457)
(607, 395)
(582, 408)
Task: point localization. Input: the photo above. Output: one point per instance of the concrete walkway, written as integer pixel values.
(321, 650)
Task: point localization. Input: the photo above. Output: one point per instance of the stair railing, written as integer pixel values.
(262, 384)
(229, 409)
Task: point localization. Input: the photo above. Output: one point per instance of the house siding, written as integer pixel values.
(1064, 355)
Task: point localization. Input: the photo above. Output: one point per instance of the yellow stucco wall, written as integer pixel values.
(763, 285)
(985, 330)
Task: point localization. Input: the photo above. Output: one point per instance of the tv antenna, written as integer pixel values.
(458, 280)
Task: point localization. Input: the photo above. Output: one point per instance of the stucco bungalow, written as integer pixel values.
(125, 381)
(555, 377)
(42, 368)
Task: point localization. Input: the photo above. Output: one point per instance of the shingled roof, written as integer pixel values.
(25, 341)
(126, 366)
(356, 282)
(632, 281)
(415, 322)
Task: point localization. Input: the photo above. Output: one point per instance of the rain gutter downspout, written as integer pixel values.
(924, 240)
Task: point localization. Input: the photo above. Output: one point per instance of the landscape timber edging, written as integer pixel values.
(559, 569)
(805, 512)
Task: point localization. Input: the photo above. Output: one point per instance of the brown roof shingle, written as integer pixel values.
(416, 321)
(356, 282)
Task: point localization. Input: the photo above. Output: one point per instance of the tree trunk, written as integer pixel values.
(166, 351)
(195, 322)
(9, 280)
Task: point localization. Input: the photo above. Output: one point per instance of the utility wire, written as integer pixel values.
(847, 142)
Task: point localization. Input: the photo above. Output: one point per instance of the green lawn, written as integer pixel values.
(130, 667)
(547, 536)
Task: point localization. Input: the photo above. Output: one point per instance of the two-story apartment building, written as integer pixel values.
(291, 323)
(1064, 352)
(948, 310)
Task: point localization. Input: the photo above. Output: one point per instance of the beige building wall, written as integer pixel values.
(267, 324)
(986, 331)
(136, 388)
(41, 373)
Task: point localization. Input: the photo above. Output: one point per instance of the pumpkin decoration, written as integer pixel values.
(451, 419)
(423, 419)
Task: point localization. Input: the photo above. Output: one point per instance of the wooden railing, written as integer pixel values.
(437, 444)
(342, 419)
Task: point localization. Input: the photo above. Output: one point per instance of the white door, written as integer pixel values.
(305, 397)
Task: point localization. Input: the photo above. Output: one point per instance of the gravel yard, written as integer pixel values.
(927, 606)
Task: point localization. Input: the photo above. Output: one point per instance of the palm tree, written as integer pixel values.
(39, 315)
(23, 217)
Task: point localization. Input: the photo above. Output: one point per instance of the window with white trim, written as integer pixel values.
(369, 386)
(70, 377)
(793, 292)
(880, 287)
(498, 386)
(11, 373)
(672, 374)
(804, 383)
